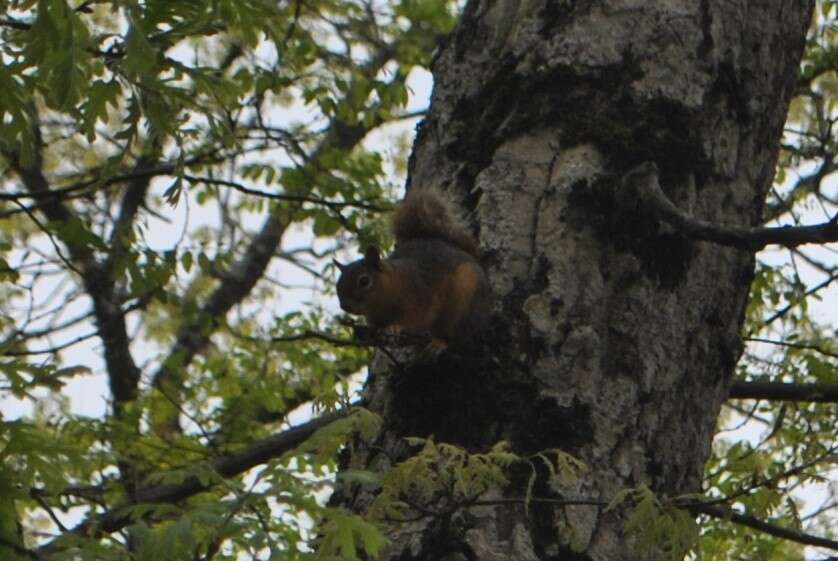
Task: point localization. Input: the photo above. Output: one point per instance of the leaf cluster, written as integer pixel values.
(441, 478)
(174, 177)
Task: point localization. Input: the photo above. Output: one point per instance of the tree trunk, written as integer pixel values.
(614, 338)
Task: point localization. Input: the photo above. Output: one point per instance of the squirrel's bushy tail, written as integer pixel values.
(430, 213)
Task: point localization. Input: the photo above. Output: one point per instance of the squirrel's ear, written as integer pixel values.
(341, 267)
(373, 257)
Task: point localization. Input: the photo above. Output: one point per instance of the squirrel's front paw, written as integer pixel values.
(433, 350)
(365, 334)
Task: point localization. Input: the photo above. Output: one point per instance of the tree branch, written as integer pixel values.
(645, 178)
(805, 346)
(123, 374)
(15, 24)
(285, 197)
(762, 526)
(137, 173)
(779, 391)
(807, 184)
(779, 314)
(310, 334)
(133, 198)
(53, 349)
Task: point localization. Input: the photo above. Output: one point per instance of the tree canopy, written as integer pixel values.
(174, 178)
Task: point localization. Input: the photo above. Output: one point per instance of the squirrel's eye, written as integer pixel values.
(365, 281)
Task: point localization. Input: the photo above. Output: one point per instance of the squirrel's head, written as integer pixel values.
(358, 281)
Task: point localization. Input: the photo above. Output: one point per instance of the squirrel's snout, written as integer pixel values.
(350, 306)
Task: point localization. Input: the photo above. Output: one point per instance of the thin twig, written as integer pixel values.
(40, 500)
(311, 334)
(543, 500)
(805, 346)
(64, 259)
(56, 348)
(771, 481)
(284, 197)
(783, 311)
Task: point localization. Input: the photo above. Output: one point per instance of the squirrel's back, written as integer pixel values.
(428, 213)
(432, 281)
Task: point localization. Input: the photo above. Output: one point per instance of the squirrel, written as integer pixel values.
(432, 282)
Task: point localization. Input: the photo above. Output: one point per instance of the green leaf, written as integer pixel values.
(325, 226)
(186, 261)
(140, 55)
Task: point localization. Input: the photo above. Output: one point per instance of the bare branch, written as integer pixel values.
(645, 178)
(778, 391)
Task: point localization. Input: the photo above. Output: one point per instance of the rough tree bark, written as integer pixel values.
(615, 338)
